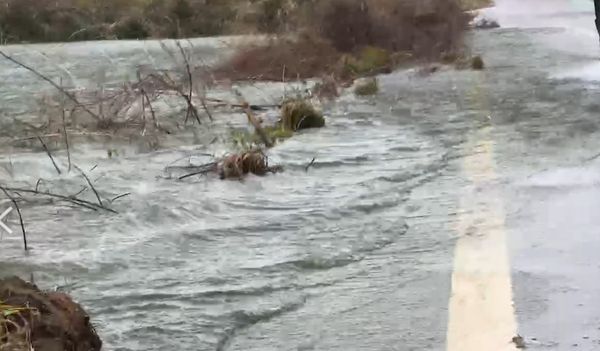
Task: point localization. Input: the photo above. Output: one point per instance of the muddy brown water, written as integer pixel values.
(353, 254)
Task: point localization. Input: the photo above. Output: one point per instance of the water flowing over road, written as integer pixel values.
(449, 212)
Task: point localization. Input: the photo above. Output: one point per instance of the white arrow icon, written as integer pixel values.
(2, 225)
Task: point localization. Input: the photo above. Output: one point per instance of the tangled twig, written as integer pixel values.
(64, 129)
(201, 170)
(70, 199)
(254, 121)
(310, 164)
(118, 197)
(91, 185)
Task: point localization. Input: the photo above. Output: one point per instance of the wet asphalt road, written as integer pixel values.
(552, 218)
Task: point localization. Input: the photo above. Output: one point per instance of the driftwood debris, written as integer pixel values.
(236, 166)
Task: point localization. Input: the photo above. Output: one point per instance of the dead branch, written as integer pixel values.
(191, 109)
(220, 102)
(254, 121)
(187, 67)
(79, 192)
(91, 185)
(64, 128)
(49, 155)
(312, 162)
(73, 200)
(118, 197)
(204, 169)
(54, 135)
(147, 101)
(205, 107)
(152, 112)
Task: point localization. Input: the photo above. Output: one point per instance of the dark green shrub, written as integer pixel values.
(131, 28)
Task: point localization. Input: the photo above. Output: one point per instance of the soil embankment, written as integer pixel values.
(32, 319)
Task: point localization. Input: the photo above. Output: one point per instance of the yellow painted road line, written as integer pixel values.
(481, 314)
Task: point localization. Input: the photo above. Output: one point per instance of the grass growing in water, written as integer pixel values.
(367, 87)
(299, 114)
(477, 63)
(296, 114)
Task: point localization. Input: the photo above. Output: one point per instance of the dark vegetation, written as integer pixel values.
(347, 39)
(346, 26)
(76, 20)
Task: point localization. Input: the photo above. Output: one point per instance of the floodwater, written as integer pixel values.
(357, 252)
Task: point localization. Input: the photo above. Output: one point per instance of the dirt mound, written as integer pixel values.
(31, 319)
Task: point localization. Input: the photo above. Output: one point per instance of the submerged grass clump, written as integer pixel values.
(297, 114)
(466, 61)
(477, 63)
(367, 87)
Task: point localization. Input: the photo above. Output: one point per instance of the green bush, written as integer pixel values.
(131, 28)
